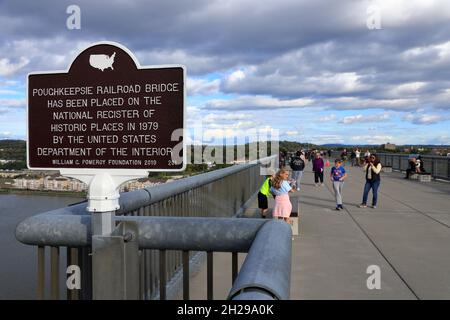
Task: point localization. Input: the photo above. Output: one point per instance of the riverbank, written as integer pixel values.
(44, 193)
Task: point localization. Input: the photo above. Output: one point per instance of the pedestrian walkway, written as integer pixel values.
(407, 237)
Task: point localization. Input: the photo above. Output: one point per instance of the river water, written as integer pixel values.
(18, 262)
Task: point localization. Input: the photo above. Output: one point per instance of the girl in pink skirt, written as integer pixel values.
(281, 188)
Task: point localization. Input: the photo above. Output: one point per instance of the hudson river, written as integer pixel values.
(18, 262)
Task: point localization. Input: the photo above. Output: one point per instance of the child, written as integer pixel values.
(338, 175)
(281, 188)
(264, 193)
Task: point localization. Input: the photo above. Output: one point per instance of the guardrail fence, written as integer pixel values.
(437, 166)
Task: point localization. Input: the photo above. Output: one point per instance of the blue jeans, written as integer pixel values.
(297, 176)
(374, 186)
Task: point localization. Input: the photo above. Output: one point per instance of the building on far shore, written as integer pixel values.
(389, 146)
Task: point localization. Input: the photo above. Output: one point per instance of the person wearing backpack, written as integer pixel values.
(297, 164)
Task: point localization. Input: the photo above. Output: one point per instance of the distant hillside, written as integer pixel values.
(13, 150)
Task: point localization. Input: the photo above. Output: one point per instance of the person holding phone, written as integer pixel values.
(372, 168)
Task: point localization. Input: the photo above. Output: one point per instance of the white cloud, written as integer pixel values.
(8, 68)
(257, 102)
(424, 118)
(372, 139)
(359, 118)
(12, 103)
(327, 138)
(202, 86)
(354, 103)
(219, 117)
(330, 118)
(235, 77)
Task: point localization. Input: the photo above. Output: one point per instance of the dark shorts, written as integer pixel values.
(262, 201)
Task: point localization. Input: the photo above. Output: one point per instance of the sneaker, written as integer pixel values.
(298, 189)
(316, 185)
(321, 184)
(374, 207)
(362, 205)
(338, 208)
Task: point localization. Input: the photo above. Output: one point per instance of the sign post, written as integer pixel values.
(104, 121)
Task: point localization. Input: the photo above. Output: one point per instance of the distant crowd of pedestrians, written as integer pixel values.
(279, 184)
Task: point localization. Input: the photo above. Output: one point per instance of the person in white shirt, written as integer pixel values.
(358, 157)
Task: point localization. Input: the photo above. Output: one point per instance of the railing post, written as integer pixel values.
(54, 273)
(41, 273)
(115, 264)
(234, 266)
(209, 271)
(185, 275)
(162, 274)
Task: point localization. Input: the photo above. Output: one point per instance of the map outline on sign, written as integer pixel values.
(102, 61)
(117, 171)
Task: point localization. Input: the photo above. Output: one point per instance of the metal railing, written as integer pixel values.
(437, 166)
(221, 193)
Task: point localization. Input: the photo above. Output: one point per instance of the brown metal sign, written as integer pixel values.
(106, 112)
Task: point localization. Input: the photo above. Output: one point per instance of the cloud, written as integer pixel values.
(359, 118)
(424, 119)
(216, 117)
(327, 138)
(8, 68)
(12, 103)
(254, 55)
(202, 86)
(257, 103)
(291, 133)
(329, 118)
(3, 111)
(372, 139)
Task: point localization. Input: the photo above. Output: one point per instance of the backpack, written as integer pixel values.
(297, 164)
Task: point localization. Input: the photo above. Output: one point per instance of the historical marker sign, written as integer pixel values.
(107, 112)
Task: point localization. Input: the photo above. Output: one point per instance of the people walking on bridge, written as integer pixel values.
(372, 169)
(358, 157)
(337, 176)
(264, 193)
(344, 156)
(281, 188)
(297, 164)
(318, 166)
(353, 158)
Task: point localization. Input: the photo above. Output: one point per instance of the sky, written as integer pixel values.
(347, 71)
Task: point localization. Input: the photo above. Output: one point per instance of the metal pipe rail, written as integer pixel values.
(221, 193)
(159, 233)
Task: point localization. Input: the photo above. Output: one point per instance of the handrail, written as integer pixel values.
(162, 233)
